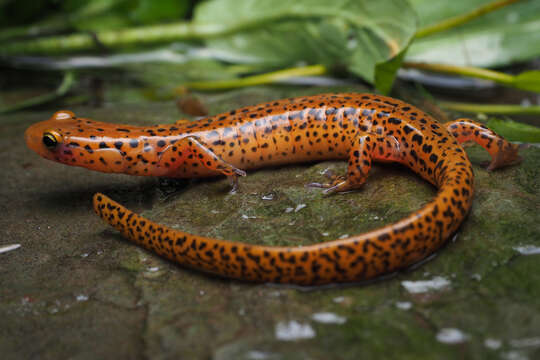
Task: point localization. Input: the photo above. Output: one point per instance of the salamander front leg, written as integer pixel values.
(503, 153)
(210, 160)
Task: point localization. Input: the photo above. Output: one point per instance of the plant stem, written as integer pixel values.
(67, 82)
(491, 109)
(461, 19)
(261, 79)
(463, 70)
(144, 35)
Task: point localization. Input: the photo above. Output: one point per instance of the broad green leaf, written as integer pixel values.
(385, 73)
(528, 80)
(152, 11)
(357, 34)
(499, 38)
(165, 74)
(515, 131)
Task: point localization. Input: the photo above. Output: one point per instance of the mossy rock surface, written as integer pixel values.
(76, 289)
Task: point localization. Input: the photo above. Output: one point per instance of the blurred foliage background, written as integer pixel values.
(166, 49)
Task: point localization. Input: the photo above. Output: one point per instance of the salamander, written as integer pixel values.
(360, 128)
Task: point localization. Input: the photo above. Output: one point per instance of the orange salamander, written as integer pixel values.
(361, 128)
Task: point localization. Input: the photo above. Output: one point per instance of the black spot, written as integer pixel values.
(418, 138)
(427, 148)
(133, 143)
(414, 155)
(384, 237)
(407, 129)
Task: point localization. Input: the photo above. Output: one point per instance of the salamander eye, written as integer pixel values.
(51, 139)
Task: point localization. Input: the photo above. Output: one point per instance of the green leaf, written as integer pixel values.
(385, 73)
(528, 80)
(502, 37)
(515, 131)
(357, 34)
(152, 11)
(167, 74)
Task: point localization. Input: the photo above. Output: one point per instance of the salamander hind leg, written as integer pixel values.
(503, 153)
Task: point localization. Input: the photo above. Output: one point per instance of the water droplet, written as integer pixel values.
(81, 297)
(403, 305)
(293, 330)
(328, 318)
(421, 286)
(492, 344)
(527, 250)
(451, 336)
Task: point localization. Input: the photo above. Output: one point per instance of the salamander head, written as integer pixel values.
(100, 146)
(66, 139)
(48, 138)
